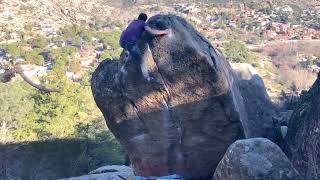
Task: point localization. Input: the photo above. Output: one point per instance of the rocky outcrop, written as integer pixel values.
(255, 159)
(112, 168)
(184, 119)
(303, 137)
(257, 102)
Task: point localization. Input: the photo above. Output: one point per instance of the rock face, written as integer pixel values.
(303, 137)
(183, 120)
(255, 159)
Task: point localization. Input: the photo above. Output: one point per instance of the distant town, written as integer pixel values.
(252, 24)
(278, 23)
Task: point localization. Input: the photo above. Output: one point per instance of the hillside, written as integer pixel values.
(58, 44)
(47, 17)
(35, 15)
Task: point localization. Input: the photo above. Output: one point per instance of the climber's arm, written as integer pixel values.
(156, 31)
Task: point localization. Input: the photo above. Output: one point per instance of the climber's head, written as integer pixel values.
(142, 17)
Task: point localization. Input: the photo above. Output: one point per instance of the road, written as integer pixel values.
(256, 46)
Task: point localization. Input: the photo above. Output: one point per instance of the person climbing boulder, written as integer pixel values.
(183, 122)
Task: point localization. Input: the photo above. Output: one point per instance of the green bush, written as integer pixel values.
(34, 57)
(105, 55)
(74, 65)
(55, 124)
(14, 49)
(38, 42)
(16, 103)
(236, 52)
(63, 56)
(110, 38)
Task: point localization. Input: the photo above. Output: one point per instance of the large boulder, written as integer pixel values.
(257, 102)
(255, 159)
(303, 137)
(184, 119)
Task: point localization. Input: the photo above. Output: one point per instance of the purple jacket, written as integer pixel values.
(132, 34)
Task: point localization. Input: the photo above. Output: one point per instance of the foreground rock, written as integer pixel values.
(107, 173)
(182, 121)
(303, 137)
(255, 159)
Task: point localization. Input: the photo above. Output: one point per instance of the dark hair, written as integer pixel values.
(142, 17)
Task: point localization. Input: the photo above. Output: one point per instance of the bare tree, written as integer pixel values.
(10, 69)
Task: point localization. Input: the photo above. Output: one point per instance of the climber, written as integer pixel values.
(133, 33)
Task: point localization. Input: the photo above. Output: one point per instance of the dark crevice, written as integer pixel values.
(146, 131)
(178, 125)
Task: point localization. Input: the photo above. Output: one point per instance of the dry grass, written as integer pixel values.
(284, 51)
(281, 67)
(301, 78)
(282, 54)
(286, 58)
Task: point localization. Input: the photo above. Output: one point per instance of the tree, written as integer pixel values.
(284, 18)
(259, 6)
(61, 56)
(14, 49)
(74, 65)
(56, 115)
(98, 24)
(13, 100)
(16, 69)
(11, 68)
(34, 57)
(87, 35)
(105, 55)
(67, 130)
(38, 42)
(220, 25)
(110, 38)
(220, 36)
(28, 28)
(237, 52)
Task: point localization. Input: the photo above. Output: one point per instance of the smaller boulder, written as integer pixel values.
(113, 172)
(255, 159)
(112, 168)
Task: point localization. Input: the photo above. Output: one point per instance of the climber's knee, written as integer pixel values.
(144, 70)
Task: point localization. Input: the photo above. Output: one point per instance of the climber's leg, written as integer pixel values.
(143, 65)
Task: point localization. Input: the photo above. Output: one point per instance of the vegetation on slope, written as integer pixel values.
(66, 130)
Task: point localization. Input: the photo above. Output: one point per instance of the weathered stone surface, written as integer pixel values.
(182, 121)
(255, 159)
(303, 137)
(107, 173)
(112, 168)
